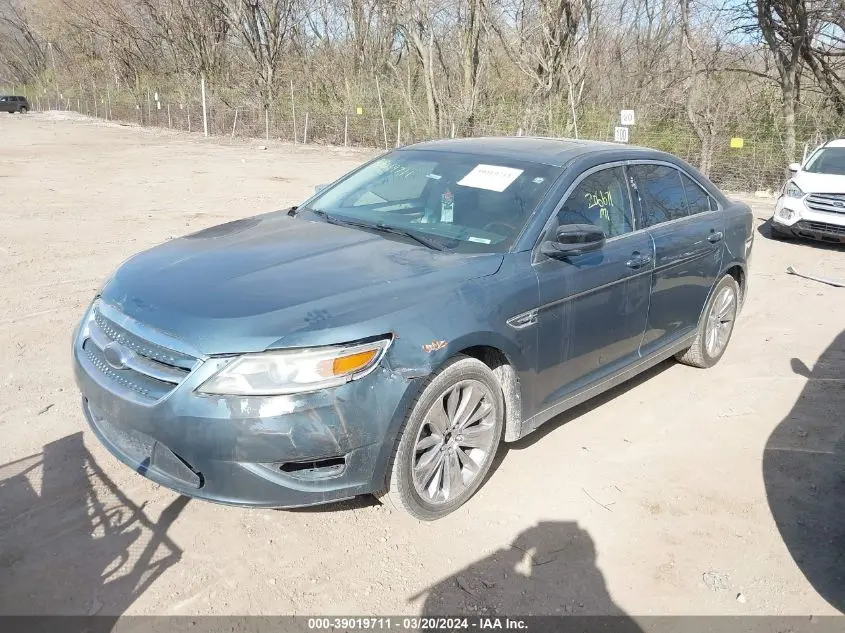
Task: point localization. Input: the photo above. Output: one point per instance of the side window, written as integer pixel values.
(661, 193)
(697, 199)
(600, 199)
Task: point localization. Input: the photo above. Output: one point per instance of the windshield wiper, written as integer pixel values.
(381, 228)
(409, 234)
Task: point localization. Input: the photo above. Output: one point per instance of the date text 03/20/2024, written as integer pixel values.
(413, 624)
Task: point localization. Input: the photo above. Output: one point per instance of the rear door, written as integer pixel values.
(688, 232)
(593, 307)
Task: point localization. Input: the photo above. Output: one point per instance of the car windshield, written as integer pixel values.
(450, 201)
(830, 160)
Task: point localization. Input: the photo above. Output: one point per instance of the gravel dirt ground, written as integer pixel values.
(684, 492)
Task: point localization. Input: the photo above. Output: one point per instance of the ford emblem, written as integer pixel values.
(116, 355)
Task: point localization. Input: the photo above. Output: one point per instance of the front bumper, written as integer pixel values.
(281, 451)
(793, 217)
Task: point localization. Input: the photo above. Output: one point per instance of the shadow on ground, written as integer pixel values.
(804, 472)
(548, 569)
(70, 542)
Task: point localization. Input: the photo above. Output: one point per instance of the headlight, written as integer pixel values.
(295, 371)
(791, 190)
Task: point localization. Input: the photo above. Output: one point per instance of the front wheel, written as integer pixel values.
(23, 110)
(449, 440)
(716, 327)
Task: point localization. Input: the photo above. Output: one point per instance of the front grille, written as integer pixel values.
(150, 370)
(821, 227)
(827, 202)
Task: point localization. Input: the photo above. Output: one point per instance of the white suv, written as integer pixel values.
(812, 202)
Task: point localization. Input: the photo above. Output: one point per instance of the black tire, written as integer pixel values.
(698, 355)
(400, 490)
(23, 110)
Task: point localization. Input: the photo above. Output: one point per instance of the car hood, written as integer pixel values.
(819, 183)
(275, 281)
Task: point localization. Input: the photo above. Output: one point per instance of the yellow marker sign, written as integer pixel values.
(360, 110)
(737, 141)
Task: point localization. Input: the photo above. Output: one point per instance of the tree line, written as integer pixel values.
(695, 71)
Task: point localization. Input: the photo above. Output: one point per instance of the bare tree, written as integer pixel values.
(542, 44)
(262, 28)
(22, 51)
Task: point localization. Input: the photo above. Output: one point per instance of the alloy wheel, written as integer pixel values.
(454, 442)
(720, 322)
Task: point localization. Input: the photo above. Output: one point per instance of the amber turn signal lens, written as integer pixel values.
(354, 362)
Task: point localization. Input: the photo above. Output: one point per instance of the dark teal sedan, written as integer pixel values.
(385, 336)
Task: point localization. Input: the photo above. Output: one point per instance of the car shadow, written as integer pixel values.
(346, 505)
(71, 543)
(548, 569)
(804, 474)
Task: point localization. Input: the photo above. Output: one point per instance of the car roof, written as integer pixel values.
(549, 151)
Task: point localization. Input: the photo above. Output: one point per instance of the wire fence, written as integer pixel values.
(759, 164)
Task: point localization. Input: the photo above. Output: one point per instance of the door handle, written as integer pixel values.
(715, 236)
(638, 260)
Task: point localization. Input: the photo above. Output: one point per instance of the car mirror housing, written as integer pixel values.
(794, 167)
(574, 239)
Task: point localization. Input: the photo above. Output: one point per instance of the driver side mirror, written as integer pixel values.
(573, 239)
(794, 167)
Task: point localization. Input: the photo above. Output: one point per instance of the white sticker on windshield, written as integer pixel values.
(480, 240)
(491, 177)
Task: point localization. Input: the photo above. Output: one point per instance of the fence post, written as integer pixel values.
(381, 109)
(346, 130)
(188, 108)
(398, 132)
(169, 120)
(305, 133)
(293, 111)
(108, 102)
(235, 124)
(453, 129)
(204, 111)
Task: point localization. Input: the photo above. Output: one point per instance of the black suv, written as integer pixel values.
(14, 104)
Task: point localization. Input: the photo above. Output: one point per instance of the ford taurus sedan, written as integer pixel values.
(385, 336)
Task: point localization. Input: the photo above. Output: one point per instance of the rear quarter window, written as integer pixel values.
(698, 200)
(661, 193)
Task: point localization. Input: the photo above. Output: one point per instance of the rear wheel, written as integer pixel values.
(716, 327)
(23, 110)
(449, 440)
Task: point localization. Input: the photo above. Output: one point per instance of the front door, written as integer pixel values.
(593, 307)
(688, 231)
